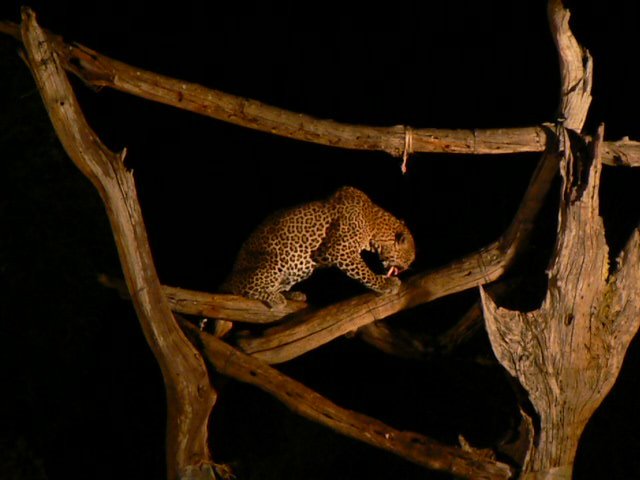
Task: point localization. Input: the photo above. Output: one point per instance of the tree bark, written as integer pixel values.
(190, 395)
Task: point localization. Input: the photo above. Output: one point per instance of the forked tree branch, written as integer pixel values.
(188, 387)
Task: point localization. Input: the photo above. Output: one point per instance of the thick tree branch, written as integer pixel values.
(304, 401)
(220, 306)
(190, 395)
(98, 70)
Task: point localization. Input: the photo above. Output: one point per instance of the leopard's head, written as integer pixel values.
(396, 251)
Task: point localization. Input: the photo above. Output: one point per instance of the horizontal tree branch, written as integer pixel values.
(302, 400)
(98, 70)
(220, 306)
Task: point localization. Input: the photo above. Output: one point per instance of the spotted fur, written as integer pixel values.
(290, 244)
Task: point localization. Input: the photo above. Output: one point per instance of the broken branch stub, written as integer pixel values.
(568, 353)
(576, 68)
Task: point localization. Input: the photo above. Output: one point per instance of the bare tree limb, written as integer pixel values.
(98, 70)
(190, 395)
(221, 306)
(414, 447)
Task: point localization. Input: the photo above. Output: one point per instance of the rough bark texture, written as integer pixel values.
(576, 69)
(190, 395)
(567, 354)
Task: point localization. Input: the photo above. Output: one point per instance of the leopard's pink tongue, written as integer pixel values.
(392, 271)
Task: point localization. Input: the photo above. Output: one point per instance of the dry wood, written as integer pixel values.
(190, 395)
(304, 401)
(312, 329)
(98, 70)
(567, 354)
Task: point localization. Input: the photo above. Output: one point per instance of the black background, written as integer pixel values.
(82, 396)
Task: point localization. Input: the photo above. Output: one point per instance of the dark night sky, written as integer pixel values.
(82, 395)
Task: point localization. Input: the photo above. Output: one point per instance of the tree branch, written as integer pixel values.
(567, 353)
(190, 395)
(414, 447)
(220, 306)
(98, 70)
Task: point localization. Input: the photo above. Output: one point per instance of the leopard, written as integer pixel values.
(290, 244)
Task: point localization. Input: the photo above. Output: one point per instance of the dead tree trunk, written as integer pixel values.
(567, 354)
